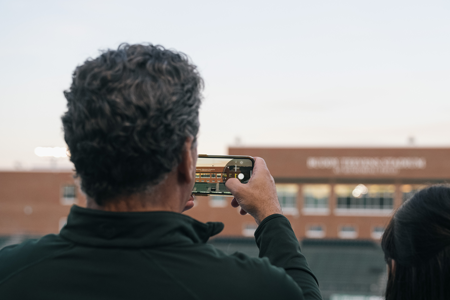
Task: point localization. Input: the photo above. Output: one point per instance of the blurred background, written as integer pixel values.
(346, 100)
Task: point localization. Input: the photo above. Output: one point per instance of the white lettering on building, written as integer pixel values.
(366, 165)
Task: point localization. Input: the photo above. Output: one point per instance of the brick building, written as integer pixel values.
(336, 193)
(36, 203)
(327, 193)
(337, 199)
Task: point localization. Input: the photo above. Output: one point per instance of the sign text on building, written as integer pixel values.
(366, 165)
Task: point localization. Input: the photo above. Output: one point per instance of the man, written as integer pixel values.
(131, 127)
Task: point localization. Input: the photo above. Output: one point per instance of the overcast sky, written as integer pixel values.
(277, 73)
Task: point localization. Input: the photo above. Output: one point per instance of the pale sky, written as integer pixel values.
(278, 73)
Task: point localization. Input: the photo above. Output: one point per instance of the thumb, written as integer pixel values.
(233, 185)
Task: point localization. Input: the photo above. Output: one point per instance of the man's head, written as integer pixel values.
(129, 114)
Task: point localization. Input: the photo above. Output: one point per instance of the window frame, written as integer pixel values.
(316, 209)
(348, 235)
(371, 203)
(314, 234)
(64, 199)
(283, 195)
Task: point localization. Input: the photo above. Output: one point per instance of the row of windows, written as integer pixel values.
(318, 231)
(348, 197)
(209, 175)
(215, 177)
(344, 232)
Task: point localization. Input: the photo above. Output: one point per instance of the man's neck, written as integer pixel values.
(133, 203)
(174, 193)
(166, 196)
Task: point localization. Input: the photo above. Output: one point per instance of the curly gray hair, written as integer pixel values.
(129, 113)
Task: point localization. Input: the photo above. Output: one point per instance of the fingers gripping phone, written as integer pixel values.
(212, 171)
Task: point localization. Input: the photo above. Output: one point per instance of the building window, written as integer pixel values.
(69, 196)
(315, 198)
(62, 222)
(408, 190)
(377, 232)
(219, 201)
(364, 199)
(205, 175)
(287, 196)
(249, 229)
(315, 231)
(28, 210)
(348, 232)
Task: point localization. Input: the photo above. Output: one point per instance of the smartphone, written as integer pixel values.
(212, 171)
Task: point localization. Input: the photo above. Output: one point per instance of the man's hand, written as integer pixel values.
(258, 197)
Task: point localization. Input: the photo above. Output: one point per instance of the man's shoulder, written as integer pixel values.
(219, 273)
(18, 257)
(214, 257)
(260, 270)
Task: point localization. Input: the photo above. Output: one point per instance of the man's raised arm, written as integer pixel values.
(275, 238)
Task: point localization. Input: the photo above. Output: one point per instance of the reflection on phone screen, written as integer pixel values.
(212, 173)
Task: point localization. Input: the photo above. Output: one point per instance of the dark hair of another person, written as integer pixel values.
(129, 113)
(418, 240)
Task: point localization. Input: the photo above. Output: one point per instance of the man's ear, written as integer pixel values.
(186, 168)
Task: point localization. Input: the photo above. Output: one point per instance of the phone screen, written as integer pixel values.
(213, 172)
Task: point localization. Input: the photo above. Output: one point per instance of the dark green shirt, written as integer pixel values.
(153, 255)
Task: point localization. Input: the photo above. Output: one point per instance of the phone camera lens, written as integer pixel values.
(240, 176)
